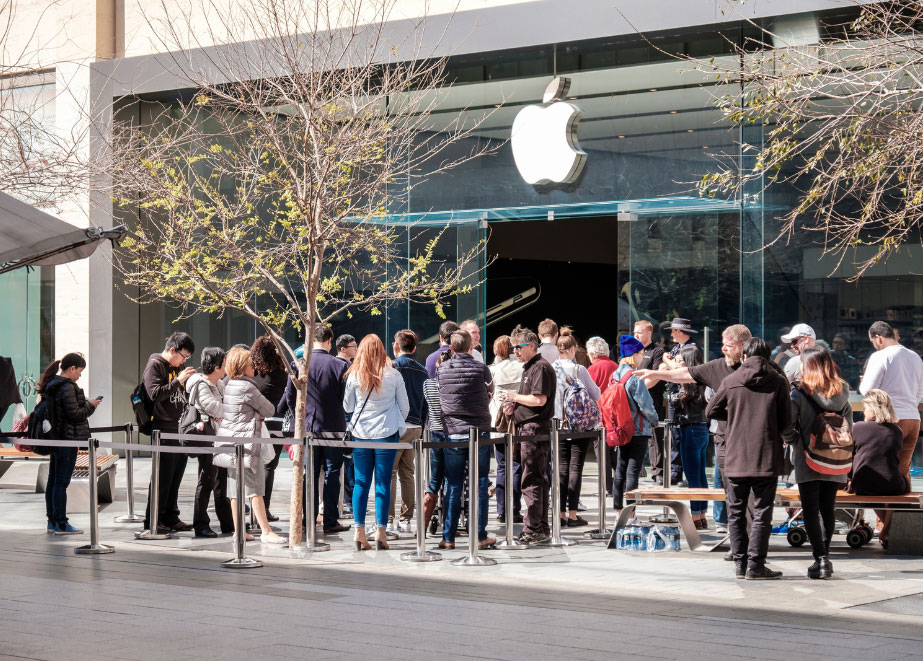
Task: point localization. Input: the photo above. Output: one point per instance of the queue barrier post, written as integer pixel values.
(310, 521)
(602, 460)
(130, 517)
(240, 560)
(154, 496)
(94, 547)
(667, 516)
(473, 559)
(510, 543)
(421, 554)
(556, 538)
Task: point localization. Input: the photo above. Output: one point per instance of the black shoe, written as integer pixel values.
(501, 518)
(763, 574)
(822, 568)
(729, 556)
(272, 518)
(741, 569)
(576, 523)
(206, 532)
(517, 518)
(336, 529)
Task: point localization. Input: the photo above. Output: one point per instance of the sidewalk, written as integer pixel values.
(172, 598)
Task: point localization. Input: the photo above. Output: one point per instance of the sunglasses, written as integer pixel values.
(520, 346)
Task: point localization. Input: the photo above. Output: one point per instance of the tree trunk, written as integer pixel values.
(295, 515)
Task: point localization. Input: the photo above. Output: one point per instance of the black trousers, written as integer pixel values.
(818, 509)
(211, 480)
(271, 475)
(628, 461)
(655, 451)
(570, 471)
(535, 487)
(172, 467)
(750, 546)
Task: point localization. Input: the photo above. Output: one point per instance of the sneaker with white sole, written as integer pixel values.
(66, 529)
(581, 507)
(721, 530)
(404, 526)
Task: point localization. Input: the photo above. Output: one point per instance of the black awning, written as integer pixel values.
(31, 237)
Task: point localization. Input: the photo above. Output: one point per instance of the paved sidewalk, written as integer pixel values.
(172, 599)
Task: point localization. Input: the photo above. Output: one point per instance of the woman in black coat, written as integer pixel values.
(70, 410)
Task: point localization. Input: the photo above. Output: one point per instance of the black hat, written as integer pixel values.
(681, 324)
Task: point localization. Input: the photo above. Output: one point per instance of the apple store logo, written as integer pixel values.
(544, 138)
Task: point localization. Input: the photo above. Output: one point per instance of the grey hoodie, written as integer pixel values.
(797, 437)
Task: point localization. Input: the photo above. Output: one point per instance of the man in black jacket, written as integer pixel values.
(164, 380)
(414, 374)
(465, 387)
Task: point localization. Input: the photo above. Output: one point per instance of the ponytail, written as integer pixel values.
(69, 360)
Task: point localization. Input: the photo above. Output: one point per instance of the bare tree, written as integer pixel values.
(278, 175)
(842, 122)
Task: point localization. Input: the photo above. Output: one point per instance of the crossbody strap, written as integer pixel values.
(352, 421)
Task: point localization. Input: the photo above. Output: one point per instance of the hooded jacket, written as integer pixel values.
(71, 409)
(166, 392)
(798, 436)
(755, 402)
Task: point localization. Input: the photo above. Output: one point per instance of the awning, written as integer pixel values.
(31, 237)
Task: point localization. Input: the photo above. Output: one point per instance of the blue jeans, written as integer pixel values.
(456, 460)
(436, 463)
(368, 463)
(331, 461)
(500, 454)
(693, 444)
(719, 508)
(60, 469)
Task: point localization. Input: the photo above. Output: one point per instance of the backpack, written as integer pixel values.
(616, 413)
(42, 425)
(143, 407)
(580, 411)
(830, 448)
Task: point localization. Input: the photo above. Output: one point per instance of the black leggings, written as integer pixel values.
(818, 506)
(570, 468)
(629, 458)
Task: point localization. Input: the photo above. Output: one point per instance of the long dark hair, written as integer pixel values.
(692, 393)
(265, 356)
(819, 373)
(70, 360)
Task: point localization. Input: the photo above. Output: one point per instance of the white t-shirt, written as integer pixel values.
(899, 372)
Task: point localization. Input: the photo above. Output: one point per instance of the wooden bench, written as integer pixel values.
(78, 493)
(9, 456)
(672, 499)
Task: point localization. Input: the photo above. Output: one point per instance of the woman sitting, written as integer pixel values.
(876, 466)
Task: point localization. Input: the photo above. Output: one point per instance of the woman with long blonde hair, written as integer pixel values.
(376, 405)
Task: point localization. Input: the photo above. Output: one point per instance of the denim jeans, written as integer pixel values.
(368, 463)
(500, 454)
(436, 463)
(456, 460)
(693, 445)
(627, 468)
(60, 469)
(719, 507)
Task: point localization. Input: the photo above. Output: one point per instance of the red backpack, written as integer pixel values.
(616, 413)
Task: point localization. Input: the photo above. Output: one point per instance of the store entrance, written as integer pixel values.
(566, 270)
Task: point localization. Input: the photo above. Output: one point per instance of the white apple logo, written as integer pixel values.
(544, 138)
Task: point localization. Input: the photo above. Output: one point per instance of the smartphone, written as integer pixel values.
(99, 397)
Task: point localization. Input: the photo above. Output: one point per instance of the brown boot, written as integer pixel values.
(430, 500)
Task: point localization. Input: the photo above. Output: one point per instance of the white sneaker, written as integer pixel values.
(581, 507)
(721, 530)
(404, 526)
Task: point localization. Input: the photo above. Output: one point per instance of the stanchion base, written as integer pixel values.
(426, 556)
(146, 535)
(476, 561)
(317, 547)
(129, 518)
(93, 549)
(511, 546)
(596, 534)
(560, 541)
(241, 563)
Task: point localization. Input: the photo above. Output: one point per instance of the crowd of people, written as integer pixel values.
(762, 411)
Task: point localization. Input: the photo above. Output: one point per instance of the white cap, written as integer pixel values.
(799, 330)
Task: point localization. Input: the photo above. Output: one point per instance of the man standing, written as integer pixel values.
(445, 332)
(470, 326)
(346, 346)
(532, 410)
(548, 333)
(754, 402)
(465, 387)
(164, 380)
(414, 374)
(801, 337)
(899, 372)
(652, 359)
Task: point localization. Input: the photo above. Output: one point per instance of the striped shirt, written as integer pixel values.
(431, 395)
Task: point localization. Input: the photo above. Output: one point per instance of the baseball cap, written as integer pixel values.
(799, 330)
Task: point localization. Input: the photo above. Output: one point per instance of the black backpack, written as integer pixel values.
(143, 406)
(42, 425)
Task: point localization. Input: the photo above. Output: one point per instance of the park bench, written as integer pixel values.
(78, 493)
(9, 456)
(671, 499)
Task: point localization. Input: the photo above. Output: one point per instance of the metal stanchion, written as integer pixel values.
(241, 561)
(602, 461)
(510, 543)
(310, 520)
(667, 516)
(473, 559)
(94, 547)
(421, 554)
(131, 517)
(556, 538)
(154, 496)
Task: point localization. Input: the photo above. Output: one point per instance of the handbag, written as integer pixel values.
(192, 422)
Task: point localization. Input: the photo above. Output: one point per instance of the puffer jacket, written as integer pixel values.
(465, 387)
(798, 436)
(208, 398)
(71, 409)
(243, 411)
(385, 411)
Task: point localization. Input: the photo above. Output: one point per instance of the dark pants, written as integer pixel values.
(818, 505)
(172, 467)
(570, 467)
(719, 508)
(211, 480)
(628, 461)
(535, 487)
(500, 454)
(752, 546)
(271, 475)
(61, 463)
(655, 449)
(610, 462)
(331, 461)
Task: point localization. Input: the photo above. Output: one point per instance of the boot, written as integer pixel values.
(362, 543)
(430, 500)
(822, 568)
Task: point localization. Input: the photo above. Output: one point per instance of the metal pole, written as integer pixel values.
(241, 561)
(667, 516)
(94, 547)
(421, 554)
(705, 352)
(602, 461)
(131, 517)
(310, 522)
(154, 509)
(556, 539)
(510, 543)
(473, 559)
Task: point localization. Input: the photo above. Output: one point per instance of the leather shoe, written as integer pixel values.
(822, 568)
(180, 526)
(489, 543)
(206, 532)
(272, 518)
(335, 529)
(741, 569)
(446, 546)
(763, 574)
(729, 556)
